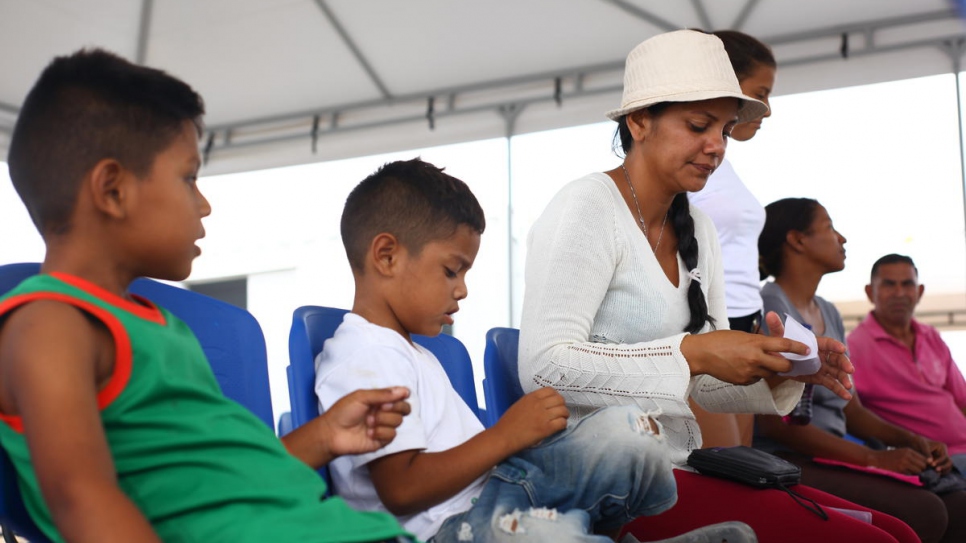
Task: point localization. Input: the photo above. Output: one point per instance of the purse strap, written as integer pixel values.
(812, 505)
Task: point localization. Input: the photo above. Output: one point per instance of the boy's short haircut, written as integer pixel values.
(84, 108)
(414, 201)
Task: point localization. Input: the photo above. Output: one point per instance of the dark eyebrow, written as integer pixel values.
(465, 264)
(714, 117)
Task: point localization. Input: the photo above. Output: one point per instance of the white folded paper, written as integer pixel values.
(802, 364)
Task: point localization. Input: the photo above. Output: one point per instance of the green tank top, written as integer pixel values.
(199, 466)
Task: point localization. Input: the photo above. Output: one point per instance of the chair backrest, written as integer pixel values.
(232, 341)
(231, 338)
(501, 380)
(312, 325)
(14, 518)
(12, 274)
(456, 361)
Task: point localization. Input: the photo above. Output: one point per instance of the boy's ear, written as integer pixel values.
(384, 253)
(108, 184)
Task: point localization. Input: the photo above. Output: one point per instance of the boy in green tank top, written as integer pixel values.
(109, 411)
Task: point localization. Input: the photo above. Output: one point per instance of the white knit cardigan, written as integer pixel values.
(603, 325)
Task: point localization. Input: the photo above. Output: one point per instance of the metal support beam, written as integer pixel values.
(878, 24)
(743, 15)
(518, 89)
(645, 15)
(703, 16)
(955, 50)
(875, 50)
(144, 31)
(510, 113)
(360, 58)
(494, 85)
(5, 107)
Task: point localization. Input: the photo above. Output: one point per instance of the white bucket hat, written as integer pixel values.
(682, 66)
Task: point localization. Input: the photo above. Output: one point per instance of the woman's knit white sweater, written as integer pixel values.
(603, 325)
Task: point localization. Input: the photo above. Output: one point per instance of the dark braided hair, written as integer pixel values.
(680, 218)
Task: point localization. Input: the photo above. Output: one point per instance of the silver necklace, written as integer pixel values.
(640, 216)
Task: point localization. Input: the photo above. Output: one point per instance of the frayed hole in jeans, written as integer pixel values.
(543, 513)
(646, 425)
(465, 533)
(510, 523)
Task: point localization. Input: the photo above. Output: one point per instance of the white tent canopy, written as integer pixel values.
(294, 81)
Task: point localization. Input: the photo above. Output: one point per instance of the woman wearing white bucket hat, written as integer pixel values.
(624, 286)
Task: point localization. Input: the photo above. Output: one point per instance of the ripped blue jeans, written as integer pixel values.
(597, 474)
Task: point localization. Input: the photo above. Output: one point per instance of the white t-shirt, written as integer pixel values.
(738, 217)
(362, 355)
(603, 325)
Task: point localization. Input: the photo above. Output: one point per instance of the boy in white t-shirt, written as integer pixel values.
(411, 233)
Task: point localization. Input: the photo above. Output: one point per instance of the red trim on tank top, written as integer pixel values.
(142, 307)
(122, 346)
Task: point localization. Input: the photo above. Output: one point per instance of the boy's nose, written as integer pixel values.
(204, 206)
(461, 291)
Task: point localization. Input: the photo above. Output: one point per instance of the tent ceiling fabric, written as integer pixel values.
(369, 76)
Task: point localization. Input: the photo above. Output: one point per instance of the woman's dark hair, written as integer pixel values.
(782, 217)
(679, 215)
(746, 53)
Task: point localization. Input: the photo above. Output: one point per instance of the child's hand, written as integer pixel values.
(532, 418)
(360, 422)
(365, 420)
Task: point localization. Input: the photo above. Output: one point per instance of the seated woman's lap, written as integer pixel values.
(926, 513)
(773, 514)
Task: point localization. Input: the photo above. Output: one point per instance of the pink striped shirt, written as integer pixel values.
(922, 391)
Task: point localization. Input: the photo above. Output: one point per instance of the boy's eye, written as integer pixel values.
(449, 273)
(698, 128)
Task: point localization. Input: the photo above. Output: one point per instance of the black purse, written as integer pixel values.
(755, 468)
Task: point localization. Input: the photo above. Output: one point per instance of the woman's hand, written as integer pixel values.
(738, 357)
(902, 460)
(743, 359)
(836, 367)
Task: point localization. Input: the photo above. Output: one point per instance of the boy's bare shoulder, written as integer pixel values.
(46, 336)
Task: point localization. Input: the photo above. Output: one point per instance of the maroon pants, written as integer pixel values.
(773, 514)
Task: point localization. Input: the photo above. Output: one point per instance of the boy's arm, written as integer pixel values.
(51, 356)
(412, 481)
(362, 422)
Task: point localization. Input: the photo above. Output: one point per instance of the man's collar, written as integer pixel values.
(878, 331)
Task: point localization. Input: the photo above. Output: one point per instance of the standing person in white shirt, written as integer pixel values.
(738, 217)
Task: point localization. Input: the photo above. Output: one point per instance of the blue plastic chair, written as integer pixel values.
(501, 380)
(284, 423)
(232, 341)
(14, 518)
(312, 325)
